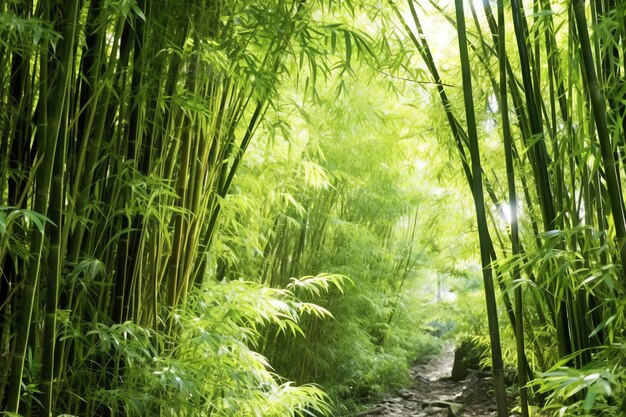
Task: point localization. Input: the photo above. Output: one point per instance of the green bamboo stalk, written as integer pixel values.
(179, 275)
(552, 53)
(483, 231)
(51, 131)
(534, 50)
(56, 251)
(608, 56)
(457, 131)
(86, 148)
(273, 59)
(31, 280)
(17, 129)
(597, 100)
(539, 149)
(16, 184)
(426, 54)
(522, 120)
(514, 228)
(540, 163)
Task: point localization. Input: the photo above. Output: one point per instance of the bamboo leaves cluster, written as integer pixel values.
(123, 125)
(555, 69)
(342, 207)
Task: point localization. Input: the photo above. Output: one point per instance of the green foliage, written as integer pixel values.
(123, 125)
(129, 215)
(15, 225)
(559, 262)
(596, 389)
(211, 369)
(334, 197)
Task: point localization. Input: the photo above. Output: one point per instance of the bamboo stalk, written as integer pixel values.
(598, 105)
(483, 231)
(514, 229)
(51, 131)
(539, 149)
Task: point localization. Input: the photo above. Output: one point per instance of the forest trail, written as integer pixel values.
(433, 394)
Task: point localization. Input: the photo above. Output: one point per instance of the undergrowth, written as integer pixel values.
(210, 368)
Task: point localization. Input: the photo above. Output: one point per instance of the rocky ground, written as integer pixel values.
(433, 394)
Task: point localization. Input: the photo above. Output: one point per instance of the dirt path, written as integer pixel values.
(434, 395)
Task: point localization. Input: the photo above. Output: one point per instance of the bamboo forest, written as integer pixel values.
(312, 208)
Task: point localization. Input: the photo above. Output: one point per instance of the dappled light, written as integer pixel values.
(324, 208)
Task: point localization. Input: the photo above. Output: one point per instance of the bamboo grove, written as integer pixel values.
(556, 240)
(149, 268)
(123, 125)
(140, 275)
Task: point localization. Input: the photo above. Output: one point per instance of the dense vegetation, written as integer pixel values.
(251, 208)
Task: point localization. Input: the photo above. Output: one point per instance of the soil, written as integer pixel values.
(433, 394)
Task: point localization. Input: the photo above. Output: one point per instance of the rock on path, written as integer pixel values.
(433, 394)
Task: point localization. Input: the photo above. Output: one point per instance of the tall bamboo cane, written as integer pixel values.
(53, 121)
(514, 228)
(479, 203)
(597, 99)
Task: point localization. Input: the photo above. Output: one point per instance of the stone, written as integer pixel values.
(449, 398)
(453, 409)
(466, 357)
(430, 410)
(406, 394)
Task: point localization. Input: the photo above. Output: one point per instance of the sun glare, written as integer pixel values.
(506, 213)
